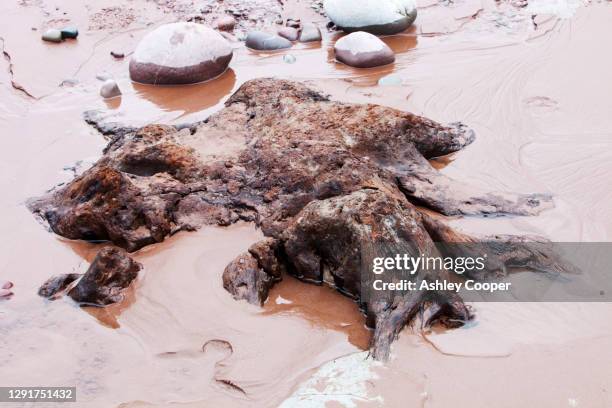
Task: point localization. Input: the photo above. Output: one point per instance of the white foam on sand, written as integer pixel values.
(282, 301)
(360, 13)
(180, 45)
(360, 42)
(559, 8)
(344, 381)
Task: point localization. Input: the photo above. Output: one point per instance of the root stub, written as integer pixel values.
(334, 241)
(250, 162)
(332, 185)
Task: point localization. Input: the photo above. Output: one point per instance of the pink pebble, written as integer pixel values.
(5, 293)
(6, 284)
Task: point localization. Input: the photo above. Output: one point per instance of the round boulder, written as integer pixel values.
(363, 50)
(261, 41)
(381, 17)
(289, 33)
(180, 53)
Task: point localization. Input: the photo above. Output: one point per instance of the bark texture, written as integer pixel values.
(331, 185)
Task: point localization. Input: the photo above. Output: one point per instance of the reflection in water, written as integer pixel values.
(402, 42)
(188, 98)
(113, 103)
(320, 305)
(108, 316)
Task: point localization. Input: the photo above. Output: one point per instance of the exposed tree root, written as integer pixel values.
(331, 184)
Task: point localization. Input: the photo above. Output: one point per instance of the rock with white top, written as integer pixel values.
(52, 35)
(381, 17)
(180, 53)
(110, 89)
(363, 50)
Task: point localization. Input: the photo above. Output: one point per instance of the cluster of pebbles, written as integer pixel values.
(285, 36)
(57, 36)
(190, 52)
(199, 49)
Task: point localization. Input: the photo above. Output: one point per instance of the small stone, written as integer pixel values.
(258, 40)
(289, 33)
(69, 82)
(110, 89)
(70, 32)
(103, 76)
(52, 35)
(289, 59)
(225, 23)
(5, 291)
(54, 287)
(194, 18)
(520, 3)
(117, 54)
(390, 80)
(310, 33)
(295, 23)
(363, 50)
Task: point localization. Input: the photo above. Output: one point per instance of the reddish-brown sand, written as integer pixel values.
(539, 103)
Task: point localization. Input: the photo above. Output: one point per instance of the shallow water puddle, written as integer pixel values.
(537, 99)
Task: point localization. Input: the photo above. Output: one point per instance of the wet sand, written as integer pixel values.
(538, 101)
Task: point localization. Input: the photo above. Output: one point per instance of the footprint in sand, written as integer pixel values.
(215, 353)
(541, 105)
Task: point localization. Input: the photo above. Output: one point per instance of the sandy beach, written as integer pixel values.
(531, 81)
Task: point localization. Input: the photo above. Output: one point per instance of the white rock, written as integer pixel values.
(360, 42)
(382, 17)
(180, 53)
(109, 89)
(52, 35)
(363, 50)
